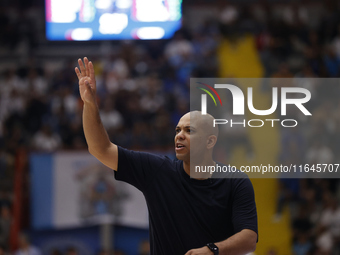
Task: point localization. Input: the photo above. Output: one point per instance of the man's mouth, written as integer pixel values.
(179, 147)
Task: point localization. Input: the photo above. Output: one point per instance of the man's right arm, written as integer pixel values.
(97, 139)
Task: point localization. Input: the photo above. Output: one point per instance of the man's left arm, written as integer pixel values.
(241, 243)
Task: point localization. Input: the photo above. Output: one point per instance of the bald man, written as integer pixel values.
(191, 216)
(202, 139)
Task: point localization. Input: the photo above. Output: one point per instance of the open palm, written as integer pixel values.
(87, 81)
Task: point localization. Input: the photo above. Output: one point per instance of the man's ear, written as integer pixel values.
(212, 139)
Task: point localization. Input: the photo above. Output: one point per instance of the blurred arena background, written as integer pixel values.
(56, 197)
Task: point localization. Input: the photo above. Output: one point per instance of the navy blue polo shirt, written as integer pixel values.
(186, 213)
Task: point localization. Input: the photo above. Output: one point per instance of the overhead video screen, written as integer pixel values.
(83, 20)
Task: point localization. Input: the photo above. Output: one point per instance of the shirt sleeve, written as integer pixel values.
(244, 214)
(137, 168)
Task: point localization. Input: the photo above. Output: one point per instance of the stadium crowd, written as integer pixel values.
(143, 89)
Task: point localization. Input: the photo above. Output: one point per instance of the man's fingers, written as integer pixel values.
(82, 69)
(78, 72)
(91, 69)
(88, 86)
(86, 71)
(86, 61)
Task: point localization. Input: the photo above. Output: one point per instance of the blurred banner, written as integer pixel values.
(71, 189)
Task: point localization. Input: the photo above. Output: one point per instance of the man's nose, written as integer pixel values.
(180, 135)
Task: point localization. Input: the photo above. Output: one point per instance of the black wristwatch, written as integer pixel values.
(213, 248)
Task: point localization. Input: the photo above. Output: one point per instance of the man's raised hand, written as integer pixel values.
(87, 81)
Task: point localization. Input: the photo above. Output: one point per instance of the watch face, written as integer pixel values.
(213, 247)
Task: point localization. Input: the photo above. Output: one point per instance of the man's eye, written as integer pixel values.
(177, 131)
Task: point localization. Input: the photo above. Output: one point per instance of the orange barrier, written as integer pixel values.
(20, 167)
